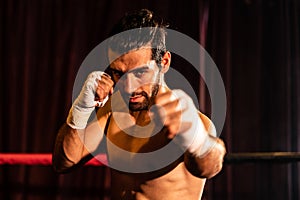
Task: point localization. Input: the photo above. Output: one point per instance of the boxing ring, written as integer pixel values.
(42, 159)
(45, 159)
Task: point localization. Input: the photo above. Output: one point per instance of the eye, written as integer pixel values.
(117, 73)
(139, 73)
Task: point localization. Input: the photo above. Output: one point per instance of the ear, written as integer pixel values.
(165, 62)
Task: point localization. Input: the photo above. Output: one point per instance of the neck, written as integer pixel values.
(141, 118)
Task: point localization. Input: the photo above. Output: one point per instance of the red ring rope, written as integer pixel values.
(46, 158)
(39, 159)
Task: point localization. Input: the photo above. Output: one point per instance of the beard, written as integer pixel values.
(147, 102)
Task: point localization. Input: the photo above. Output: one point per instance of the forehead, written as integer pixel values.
(129, 60)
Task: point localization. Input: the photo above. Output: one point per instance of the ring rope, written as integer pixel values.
(40, 159)
(45, 159)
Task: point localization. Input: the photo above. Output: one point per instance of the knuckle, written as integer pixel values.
(93, 74)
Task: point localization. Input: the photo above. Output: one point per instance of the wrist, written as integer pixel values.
(78, 117)
(197, 136)
(205, 147)
(196, 140)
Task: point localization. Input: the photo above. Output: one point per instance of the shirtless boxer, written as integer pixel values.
(136, 78)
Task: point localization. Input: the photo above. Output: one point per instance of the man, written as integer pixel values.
(137, 114)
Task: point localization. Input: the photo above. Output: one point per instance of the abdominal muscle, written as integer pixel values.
(175, 184)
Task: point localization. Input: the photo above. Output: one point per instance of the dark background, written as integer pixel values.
(255, 44)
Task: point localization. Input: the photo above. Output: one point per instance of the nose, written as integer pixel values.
(130, 83)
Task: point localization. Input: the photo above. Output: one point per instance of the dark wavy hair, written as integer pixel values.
(141, 28)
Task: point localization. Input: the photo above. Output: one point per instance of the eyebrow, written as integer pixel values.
(144, 67)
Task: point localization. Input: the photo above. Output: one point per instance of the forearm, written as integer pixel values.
(78, 136)
(209, 164)
(68, 150)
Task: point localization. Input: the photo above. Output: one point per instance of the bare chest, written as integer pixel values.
(135, 138)
(136, 148)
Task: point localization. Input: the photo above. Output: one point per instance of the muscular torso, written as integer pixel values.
(171, 181)
(177, 183)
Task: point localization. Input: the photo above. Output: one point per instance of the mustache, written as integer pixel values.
(129, 95)
(142, 93)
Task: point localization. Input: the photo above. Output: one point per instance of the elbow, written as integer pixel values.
(61, 166)
(210, 173)
(209, 165)
(214, 162)
(207, 169)
(60, 169)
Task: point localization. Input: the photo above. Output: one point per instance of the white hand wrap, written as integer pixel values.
(195, 139)
(85, 103)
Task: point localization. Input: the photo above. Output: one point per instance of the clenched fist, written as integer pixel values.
(179, 115)
(94, 92)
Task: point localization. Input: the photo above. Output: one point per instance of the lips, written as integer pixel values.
(136, 98)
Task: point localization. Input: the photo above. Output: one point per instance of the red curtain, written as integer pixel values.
(254, 43)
